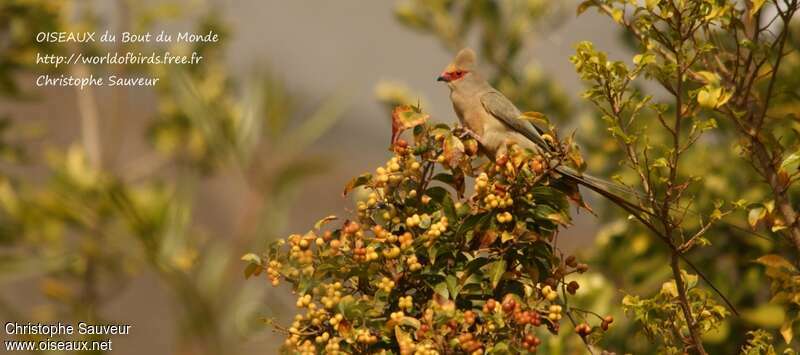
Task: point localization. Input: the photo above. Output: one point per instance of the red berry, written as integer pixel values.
(491, 304)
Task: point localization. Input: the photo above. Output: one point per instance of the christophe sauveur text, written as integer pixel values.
(54, 331)
(83, 328)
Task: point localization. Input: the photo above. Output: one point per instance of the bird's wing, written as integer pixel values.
(501, 108)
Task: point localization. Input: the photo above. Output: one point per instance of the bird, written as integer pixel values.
(495, 122)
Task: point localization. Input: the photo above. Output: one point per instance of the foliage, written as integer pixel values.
(505, 30)
(82, 224)
(424, 269)
(660, 315)
(785, 290)
(737, 54)
(18, 20)
(718, 65)
(760, 343)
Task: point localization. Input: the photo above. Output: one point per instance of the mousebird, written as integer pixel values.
(494, 121)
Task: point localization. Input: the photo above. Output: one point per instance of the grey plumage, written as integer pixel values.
(495, 122)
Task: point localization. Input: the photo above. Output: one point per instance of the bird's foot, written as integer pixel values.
(466, 132)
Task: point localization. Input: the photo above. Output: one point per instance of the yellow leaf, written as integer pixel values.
(757, 4)
(709, 97)
(534, 117)
(768, 315)
(251, 258)
(404, 340)
(786, 331)
(617, 15)
(709, 77)
(775, 261)
(756, 215)
(324, 221)
(8, 198)
(669, 288)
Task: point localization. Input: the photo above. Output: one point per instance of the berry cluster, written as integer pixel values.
(420, 268)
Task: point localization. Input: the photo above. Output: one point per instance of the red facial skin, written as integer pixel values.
(452, 75)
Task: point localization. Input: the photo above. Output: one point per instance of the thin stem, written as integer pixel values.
(697, 343)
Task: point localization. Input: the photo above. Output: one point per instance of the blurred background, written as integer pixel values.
(133, 205)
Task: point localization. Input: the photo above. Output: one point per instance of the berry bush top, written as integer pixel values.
(423, 267)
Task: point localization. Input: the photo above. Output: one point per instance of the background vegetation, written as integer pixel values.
(701, 122)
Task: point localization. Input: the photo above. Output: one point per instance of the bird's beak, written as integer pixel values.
(441, 78)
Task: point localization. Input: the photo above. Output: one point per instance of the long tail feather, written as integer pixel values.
(600, 186)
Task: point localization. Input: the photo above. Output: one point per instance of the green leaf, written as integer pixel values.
(445, 178)
(252, 258)
(790, 161)
(452, 286)
(250, 270)
(356, 182)
(660, 163)
(433, 252)
(441, 289)
(500, 348)
(472, 222)
(496, 271)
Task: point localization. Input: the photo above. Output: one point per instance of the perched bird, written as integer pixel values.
(494, 121)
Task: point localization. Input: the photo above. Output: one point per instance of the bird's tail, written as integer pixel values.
(623, 198)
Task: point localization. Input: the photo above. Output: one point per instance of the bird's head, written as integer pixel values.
(459, 68)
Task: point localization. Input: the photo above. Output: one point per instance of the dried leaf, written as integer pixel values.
(453, 151)
(775, 261)
(405, 117)
(324, 221)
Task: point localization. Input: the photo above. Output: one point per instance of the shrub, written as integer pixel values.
(421, 268)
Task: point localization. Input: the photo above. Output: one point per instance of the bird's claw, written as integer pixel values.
(466, 132)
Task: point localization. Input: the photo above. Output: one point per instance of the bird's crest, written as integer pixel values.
(465, 59)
